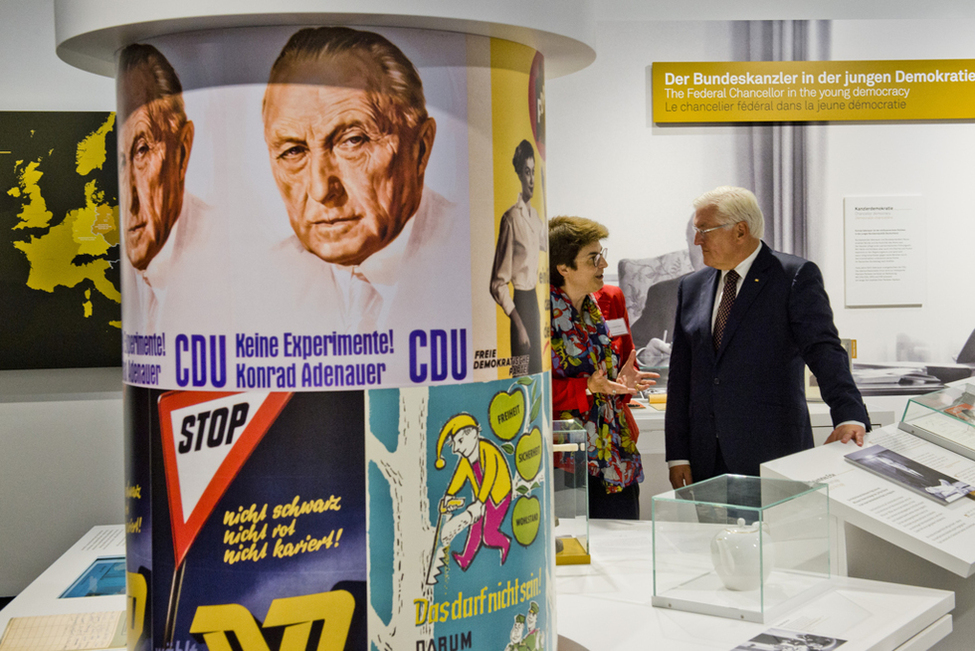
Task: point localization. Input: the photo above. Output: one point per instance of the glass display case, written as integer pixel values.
(945, 417)
(571, 493)
(740, 547)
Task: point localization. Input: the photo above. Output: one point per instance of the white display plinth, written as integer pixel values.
(614, 589)
(606, 606)
(886, 532)
(41, 596)
(943, 535)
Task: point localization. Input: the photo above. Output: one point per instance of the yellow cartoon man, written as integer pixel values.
(484, 467)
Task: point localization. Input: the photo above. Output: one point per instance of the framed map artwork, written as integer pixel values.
(59, 241)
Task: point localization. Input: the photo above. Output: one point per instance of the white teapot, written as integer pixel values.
(736, 556)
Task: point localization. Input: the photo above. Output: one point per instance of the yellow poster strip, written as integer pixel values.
(813, 91)
(511, 123)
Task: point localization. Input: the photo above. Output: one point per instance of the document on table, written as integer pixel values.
(75, 632)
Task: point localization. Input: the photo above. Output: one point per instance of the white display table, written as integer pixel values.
(605, 606)
(652, 448)
(886, 532)
(41, 596)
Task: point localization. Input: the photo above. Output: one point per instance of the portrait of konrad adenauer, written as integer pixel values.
(349, 141)
(166, 231)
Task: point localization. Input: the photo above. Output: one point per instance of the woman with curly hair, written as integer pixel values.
(589, 382)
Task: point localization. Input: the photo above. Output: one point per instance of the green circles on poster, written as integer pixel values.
(525, 520)
(507, 414)
(528, 454)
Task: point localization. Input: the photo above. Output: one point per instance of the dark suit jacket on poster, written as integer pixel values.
(658, 312)
(750, 394)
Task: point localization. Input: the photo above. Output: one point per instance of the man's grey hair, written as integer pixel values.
(400, 85)
(165, 100)
(734, 205)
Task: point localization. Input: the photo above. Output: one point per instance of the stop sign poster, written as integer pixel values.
(257, 526)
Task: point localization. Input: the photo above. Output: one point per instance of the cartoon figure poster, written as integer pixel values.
(255, 504)
(469, 558)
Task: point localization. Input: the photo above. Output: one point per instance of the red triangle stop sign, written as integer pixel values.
(206, 438)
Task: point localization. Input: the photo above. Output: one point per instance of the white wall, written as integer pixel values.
(61, 473)
(60, 432)
(34, 78)
(931, 159)
(608, 162)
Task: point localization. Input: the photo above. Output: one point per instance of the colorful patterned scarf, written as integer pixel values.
(580, 346)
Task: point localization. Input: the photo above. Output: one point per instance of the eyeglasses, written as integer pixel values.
(704, 231)
(597, 259)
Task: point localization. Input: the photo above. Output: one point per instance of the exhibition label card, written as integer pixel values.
(885, 251)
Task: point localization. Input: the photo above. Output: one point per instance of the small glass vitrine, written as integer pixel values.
(740, 547)
(571, 492)
(945, 417)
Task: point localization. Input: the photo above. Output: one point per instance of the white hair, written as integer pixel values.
(733, 205)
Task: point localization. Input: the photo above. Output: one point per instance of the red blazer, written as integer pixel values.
(613, 306)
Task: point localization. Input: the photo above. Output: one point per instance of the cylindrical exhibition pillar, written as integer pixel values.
(335, 339)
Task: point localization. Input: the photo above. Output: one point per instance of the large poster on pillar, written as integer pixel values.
(513, 338)
(335, 340)
(331, 209)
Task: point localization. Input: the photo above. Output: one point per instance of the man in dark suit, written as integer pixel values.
(745, 325)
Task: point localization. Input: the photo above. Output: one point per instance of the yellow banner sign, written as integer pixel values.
(813, 91)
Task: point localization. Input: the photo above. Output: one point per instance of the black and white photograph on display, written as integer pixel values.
(910, 474)
(778, 639)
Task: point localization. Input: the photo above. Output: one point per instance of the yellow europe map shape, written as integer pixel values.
(90, 230)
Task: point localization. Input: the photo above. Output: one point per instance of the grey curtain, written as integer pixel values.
(782, 155)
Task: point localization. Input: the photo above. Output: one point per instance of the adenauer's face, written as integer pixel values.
(530, 619)
(527, 177)
(152, 170)
(350, 177)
